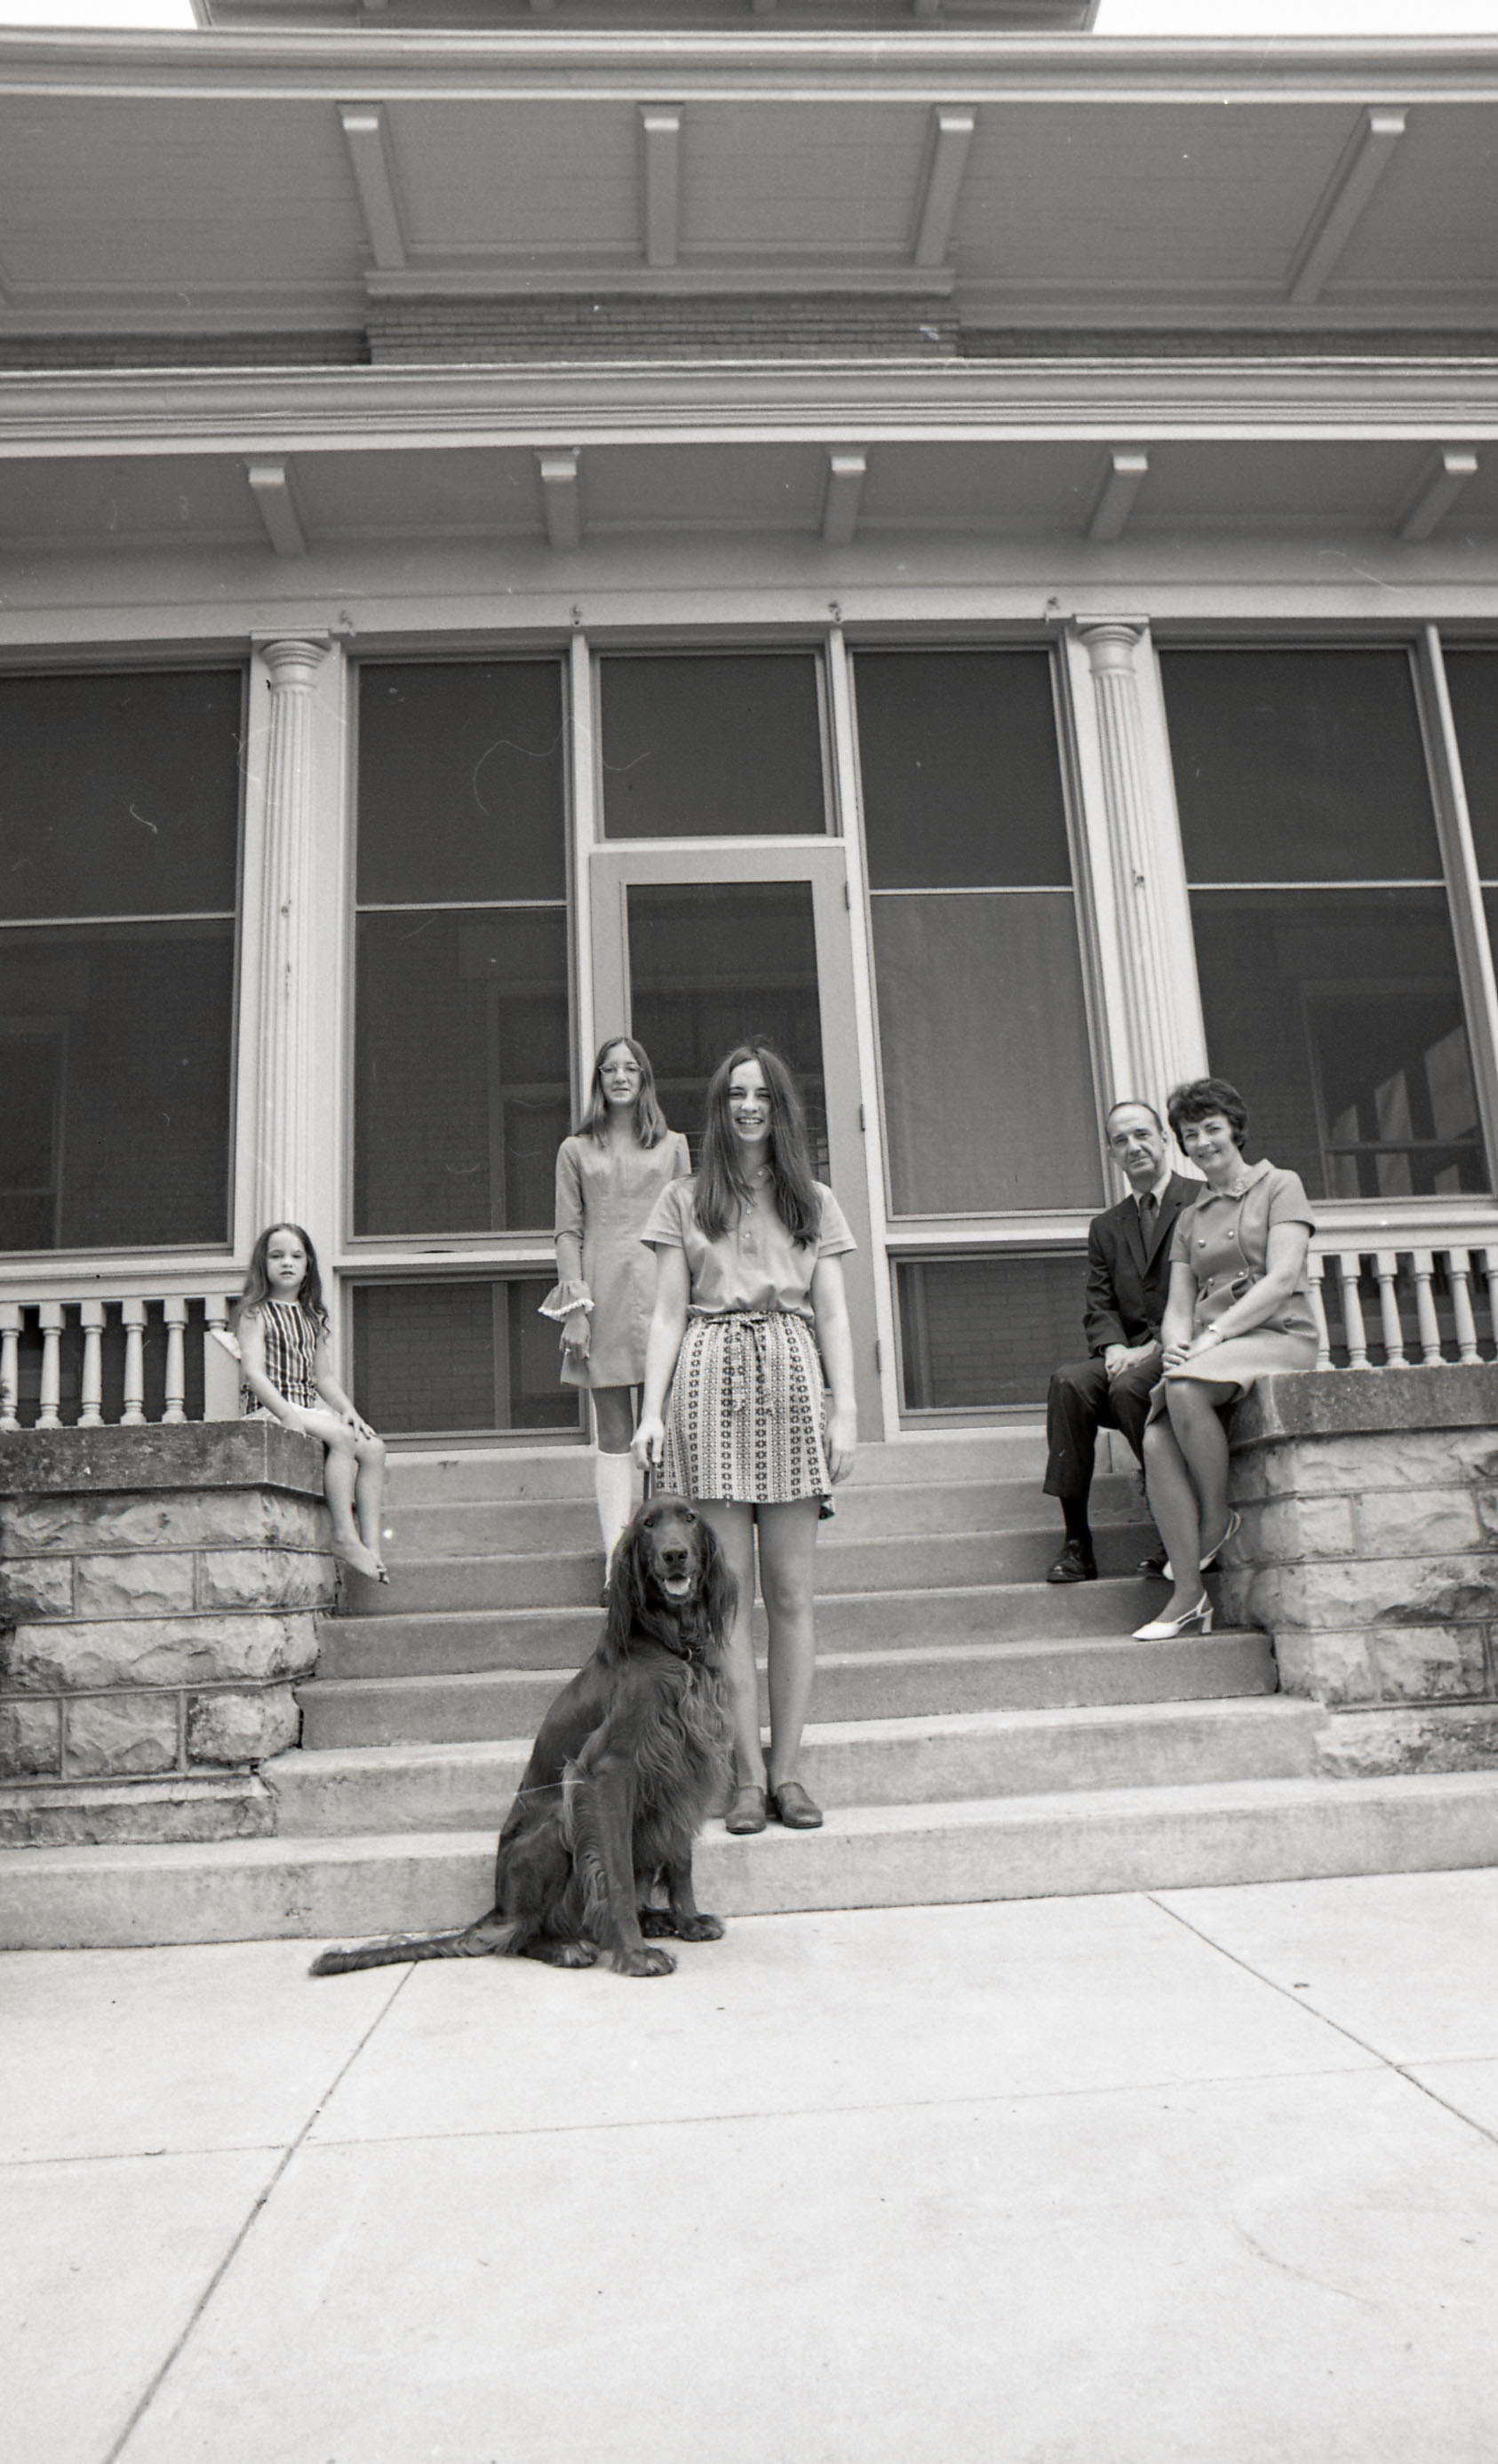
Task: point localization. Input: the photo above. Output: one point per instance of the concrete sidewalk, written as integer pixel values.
(1207, 2176)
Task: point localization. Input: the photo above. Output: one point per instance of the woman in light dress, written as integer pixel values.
(608, 1177)
(1239, 1305)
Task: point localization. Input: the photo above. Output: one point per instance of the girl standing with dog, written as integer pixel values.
(609, 1179)
(282, 1328)
(749, 1291)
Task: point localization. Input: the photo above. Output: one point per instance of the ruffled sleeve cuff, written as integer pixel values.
(564, 1299)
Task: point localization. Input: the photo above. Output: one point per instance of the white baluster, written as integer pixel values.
(174, 1310)
(50, 1315)
(133, 1315)
(91, 1393)
(11, 1323)
(220, 1372)
(1349, 1266)
(1314, 1268)
(1489, 1257)
(1386, 1266)
(1459, 1268)
(1423, 1266)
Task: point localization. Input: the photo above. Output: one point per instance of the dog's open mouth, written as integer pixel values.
(678, 1587)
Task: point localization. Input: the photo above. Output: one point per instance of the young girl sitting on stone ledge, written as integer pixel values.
(282, 1331)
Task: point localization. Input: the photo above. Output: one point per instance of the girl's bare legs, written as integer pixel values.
(733, 1528)
(613, 1465)
(1186, 1466)
(339, 1479)
(787, 1550)
(370, 1493)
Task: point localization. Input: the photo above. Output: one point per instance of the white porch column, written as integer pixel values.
(1142, 915)
(294, 1065)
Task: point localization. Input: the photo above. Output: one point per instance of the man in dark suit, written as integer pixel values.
(1128, 1276)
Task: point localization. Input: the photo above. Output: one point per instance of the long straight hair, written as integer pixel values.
(258, 1282)
(722, 1188)
(650, 1121)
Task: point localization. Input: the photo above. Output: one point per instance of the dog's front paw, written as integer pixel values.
(700, 1928)
(655, 1921)
(643, 1962)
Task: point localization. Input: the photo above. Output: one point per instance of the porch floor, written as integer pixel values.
(1206, 2174)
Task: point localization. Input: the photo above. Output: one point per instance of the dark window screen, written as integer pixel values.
(470, 1359)
(960, 777)
(119, 795)
(985, 1050)
(460, 783)
(713, 746)
(119, 798)
(1472, 677)
(713, 964)
(1336, 1008)
(1299, 765)
(977, 1334)
(462, 1087)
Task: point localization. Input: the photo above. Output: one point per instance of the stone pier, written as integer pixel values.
(158, 1592)
(1370, 1506)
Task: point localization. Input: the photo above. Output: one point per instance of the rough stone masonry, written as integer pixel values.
(158, 1593)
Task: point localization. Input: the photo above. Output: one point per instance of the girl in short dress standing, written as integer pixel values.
(1239, 1305)
(282, 1331)
(609, 1179)
(749, 1291)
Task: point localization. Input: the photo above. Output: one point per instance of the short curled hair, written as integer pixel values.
(1199, 1099)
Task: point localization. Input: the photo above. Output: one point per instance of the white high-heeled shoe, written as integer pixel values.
(1166, 1629)
(1235, 1524)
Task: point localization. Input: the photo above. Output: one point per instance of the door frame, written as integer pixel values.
(614, 866)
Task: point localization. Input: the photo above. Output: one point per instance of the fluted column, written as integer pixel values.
(288, 1064)
(1139, 872)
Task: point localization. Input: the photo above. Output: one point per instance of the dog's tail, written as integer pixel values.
(492, 1937)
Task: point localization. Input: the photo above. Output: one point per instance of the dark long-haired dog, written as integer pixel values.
(620, 1777)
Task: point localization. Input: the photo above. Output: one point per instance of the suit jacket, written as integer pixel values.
(1127, 1285)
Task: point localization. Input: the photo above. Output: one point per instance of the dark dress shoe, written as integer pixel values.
(790, 1805)
(1073, 1566)
(748, 1812)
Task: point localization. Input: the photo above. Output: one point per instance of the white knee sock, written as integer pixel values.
(613, 1485)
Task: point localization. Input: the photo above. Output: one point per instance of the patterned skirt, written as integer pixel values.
(744, 1416)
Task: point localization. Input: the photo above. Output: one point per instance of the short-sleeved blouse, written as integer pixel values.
(605, 1196)
(755, 1264)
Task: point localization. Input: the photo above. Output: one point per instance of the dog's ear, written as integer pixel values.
(719, 1590)
(626, 1595)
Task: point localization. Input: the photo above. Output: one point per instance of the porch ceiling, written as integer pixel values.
(218, 182)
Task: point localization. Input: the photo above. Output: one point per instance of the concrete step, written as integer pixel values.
(906, 1683)
(454, 1640)
(501, 1526)
(914, 1562)
(925, 1760)
(1013, 1452)
(1024, 1847)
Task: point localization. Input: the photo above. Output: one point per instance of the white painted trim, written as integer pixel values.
(660, 182)
(849, 812)
(583, 812)
(272, 489)
(842, 498)
(936, 220)
(366, 136)
(1345, 197)
(562, 499)
(1468, 914)
(1436, 489)
(1124, 475)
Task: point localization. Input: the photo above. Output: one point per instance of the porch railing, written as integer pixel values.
(87, 1362)
(1427, 1308)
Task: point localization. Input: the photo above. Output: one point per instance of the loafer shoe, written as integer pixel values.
(1073, 1566)
(790, 1804)
(748, 1811)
